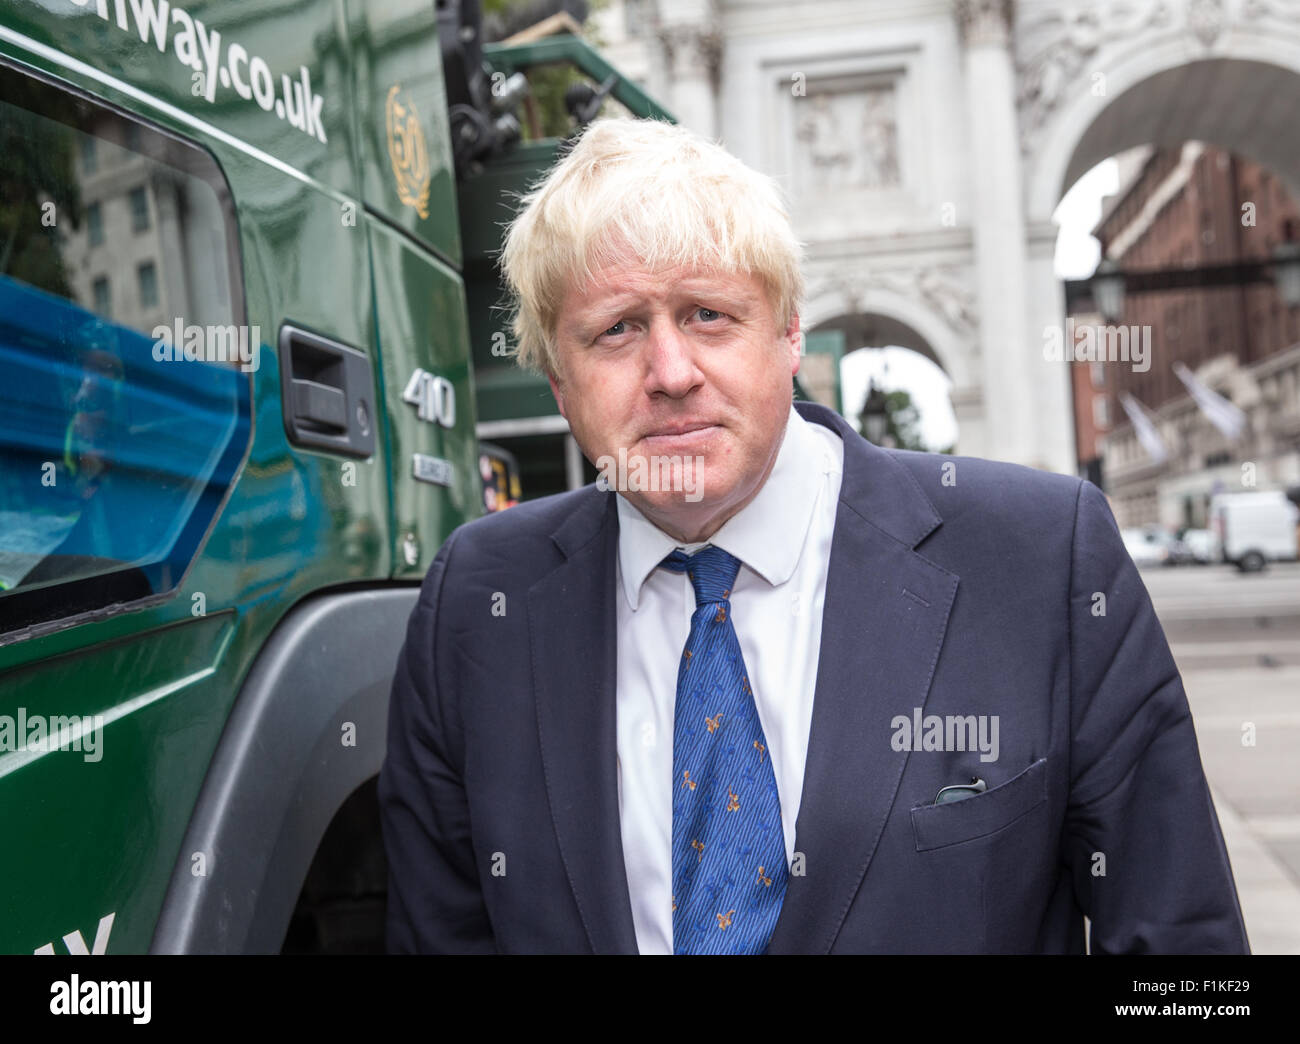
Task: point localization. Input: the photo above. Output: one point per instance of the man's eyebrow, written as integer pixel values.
(595, 311)
(698, 287)
(707, 288)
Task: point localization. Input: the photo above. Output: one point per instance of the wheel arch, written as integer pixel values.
(282, 771)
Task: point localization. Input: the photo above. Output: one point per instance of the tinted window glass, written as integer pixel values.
(114, 453)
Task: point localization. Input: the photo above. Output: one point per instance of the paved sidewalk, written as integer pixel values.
(1236, 639)
(1270, 896)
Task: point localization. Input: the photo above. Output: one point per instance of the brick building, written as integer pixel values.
(1193, 207)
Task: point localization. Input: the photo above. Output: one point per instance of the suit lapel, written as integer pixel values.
(571, 622)
(883, 622)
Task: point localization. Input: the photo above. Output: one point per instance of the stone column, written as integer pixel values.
(1007, 350)
(972, 424)
(690, 56)
(1053, 395)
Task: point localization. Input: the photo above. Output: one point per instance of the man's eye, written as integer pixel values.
(711, 313)
(615, 329)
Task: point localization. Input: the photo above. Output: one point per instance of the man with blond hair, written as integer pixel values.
(806, 695)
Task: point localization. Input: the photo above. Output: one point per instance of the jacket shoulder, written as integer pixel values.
(995, 496)
(524, 533)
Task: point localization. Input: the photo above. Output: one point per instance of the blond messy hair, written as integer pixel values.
(658, 191)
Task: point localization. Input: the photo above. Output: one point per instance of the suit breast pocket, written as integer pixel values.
(937, 826)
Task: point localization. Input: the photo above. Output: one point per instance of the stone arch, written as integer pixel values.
(882, 317)
(1236, 93)
(1096, 79)
(907, 321)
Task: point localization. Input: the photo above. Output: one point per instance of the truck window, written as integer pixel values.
(118, 441)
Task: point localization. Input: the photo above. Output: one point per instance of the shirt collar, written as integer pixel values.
(767, 534)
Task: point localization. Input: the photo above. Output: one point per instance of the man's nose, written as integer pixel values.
(671, 364)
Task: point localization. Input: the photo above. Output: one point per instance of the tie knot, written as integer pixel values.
(712, 572)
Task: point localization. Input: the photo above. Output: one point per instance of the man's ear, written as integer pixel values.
(794, 341)
(559, 395)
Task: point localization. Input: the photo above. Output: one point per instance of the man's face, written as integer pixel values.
(682, 363)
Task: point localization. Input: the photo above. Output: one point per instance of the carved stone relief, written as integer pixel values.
(942, 288)
(847, 139)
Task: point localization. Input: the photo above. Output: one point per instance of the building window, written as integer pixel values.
(1101, 411)
(88, 161)
(1098, 371)
(102, 299)
(95, 224)
(139, 210)
(148, 275)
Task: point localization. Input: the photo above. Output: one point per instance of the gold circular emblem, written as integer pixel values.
(408, 151)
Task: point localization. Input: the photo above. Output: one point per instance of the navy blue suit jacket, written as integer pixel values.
(959, 586)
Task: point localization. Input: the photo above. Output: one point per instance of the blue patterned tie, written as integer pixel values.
(729, 868)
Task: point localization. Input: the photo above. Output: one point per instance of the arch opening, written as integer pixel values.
(885, 353)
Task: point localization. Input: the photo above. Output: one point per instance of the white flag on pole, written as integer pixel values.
(1145, 428)
(1228, 418)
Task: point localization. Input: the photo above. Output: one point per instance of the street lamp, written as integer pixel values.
(1286, 272)
(874, 418)
(1108, 289)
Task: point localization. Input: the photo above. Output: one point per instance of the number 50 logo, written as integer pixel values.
(434, 398)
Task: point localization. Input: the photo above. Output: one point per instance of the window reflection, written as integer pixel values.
(112, 463)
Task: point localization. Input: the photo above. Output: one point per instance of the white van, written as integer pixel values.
(1254, 528)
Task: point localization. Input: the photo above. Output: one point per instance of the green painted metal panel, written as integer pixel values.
(573, 50)
(404, 156)
(211, 55)
(421, 325)
(99, 838)
(96, 830)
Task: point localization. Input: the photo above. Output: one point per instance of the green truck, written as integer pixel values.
(250, 336)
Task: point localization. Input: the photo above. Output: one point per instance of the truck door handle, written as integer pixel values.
(327, 393)
(320, 406)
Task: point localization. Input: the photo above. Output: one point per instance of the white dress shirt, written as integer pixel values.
(783, 540)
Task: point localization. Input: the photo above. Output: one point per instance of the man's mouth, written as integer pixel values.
(672, 431)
